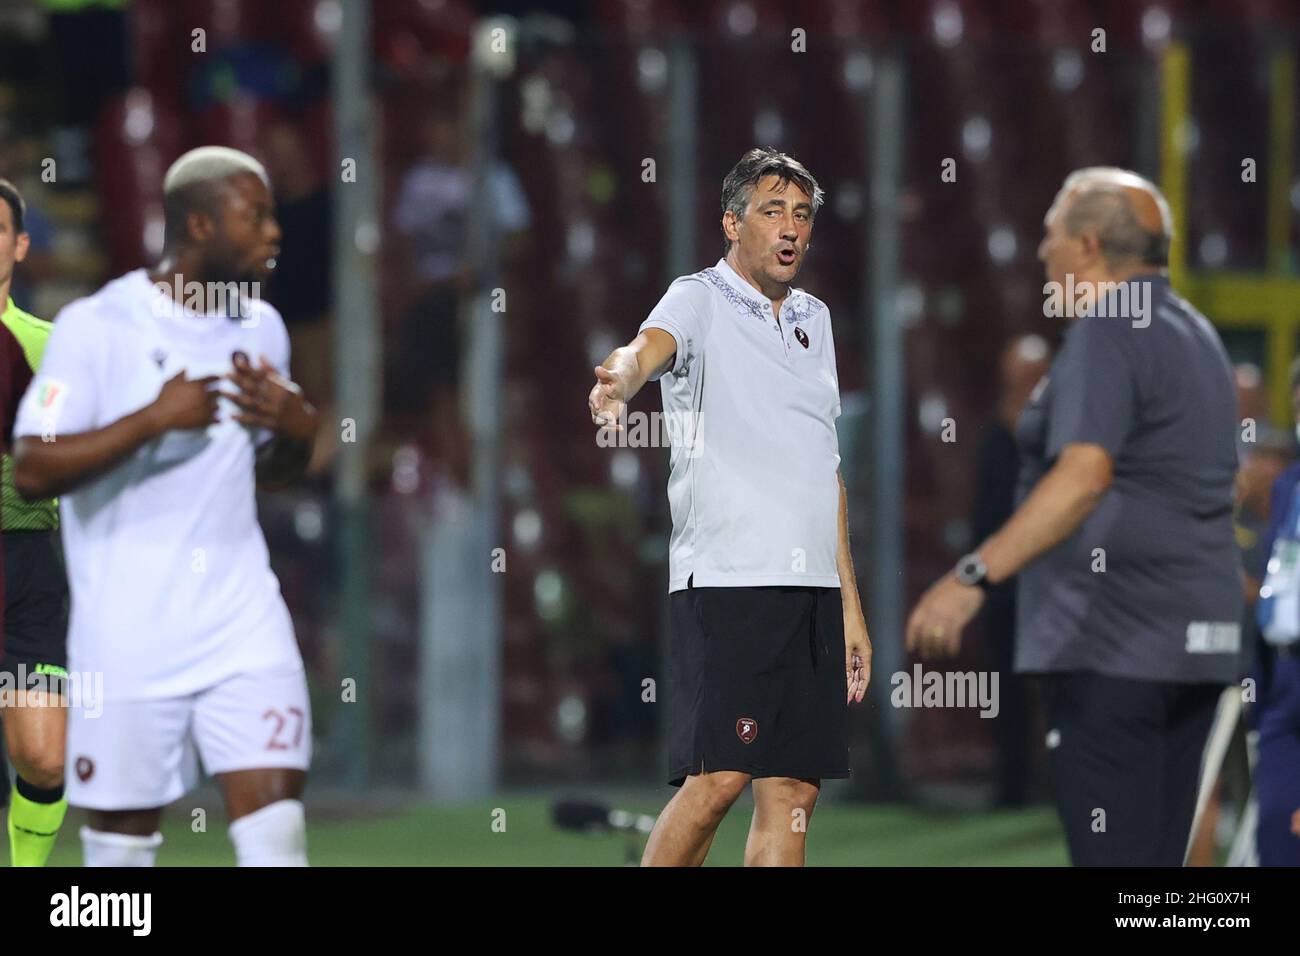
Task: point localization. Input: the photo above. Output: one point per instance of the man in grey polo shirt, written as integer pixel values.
(1130, 580)
(763, 600)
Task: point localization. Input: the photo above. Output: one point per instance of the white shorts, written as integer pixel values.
(139, 754)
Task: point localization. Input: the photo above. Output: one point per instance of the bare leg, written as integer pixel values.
(247, 791)
(684, 831)
(782, 808)
(130, 822)
(35, 733)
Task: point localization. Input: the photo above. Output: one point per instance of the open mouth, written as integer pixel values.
(786, 256)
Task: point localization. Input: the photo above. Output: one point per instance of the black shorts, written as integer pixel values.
(756, 683)
(36, 609)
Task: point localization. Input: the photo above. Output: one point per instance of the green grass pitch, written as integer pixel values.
(420, 834)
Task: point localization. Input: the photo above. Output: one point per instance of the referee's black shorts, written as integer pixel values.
(756, 683)
(36, 610)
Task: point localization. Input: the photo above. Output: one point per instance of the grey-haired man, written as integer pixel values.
(763, 601)
(1130, 588)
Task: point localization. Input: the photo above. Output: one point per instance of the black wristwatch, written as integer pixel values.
(971, 570)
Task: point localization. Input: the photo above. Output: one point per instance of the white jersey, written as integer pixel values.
(171, 582)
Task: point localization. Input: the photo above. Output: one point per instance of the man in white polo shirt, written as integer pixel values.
(763, 599)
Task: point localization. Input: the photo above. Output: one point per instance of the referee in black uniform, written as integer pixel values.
(1130, 591)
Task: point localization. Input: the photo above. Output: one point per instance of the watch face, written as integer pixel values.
(970, 570)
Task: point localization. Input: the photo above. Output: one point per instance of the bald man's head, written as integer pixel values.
(1106, 220)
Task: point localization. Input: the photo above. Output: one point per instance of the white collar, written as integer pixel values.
(737, 282)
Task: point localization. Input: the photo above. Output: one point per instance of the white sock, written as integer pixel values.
(275, 835)
(118, 849)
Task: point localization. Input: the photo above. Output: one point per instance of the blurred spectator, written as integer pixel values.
(1263, 461)
(39, 266)
(432, 219)
(302, 287)
(303, 284)
(1277, 712)
(89, 48)
(1263, 452)
(1252, 404)
(1262, 465)
(1024, 362)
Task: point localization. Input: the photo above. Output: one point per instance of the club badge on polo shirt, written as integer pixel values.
(801, 335)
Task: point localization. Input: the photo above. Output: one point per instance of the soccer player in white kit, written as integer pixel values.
(154, 418)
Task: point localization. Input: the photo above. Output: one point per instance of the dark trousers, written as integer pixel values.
(1277, 775)
(1125, 758)
(1012, 726)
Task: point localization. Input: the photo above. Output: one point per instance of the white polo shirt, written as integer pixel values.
(751, 404)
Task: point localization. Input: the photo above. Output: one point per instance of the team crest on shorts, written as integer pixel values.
(747, 729)
(85, 768)
(802, 336)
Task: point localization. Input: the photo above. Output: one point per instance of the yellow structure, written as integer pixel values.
(1268, 302)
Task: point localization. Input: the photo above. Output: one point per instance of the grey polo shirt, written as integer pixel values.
(750, 403)
(1149, 586)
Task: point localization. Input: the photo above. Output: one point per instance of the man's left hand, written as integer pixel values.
(857, 655)
(268, 400)
(934, 629)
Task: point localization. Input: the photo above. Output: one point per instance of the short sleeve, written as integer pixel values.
(1094, 393)
(684, 313)
(63, 397)
(835, 370)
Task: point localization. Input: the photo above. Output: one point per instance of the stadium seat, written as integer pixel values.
(134, 144)
(407, 32)
(230, 22)
(240, 123)
(157, 48)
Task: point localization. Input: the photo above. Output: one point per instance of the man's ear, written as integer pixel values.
(22, 242)
(199, 226)
(1091, 243)
(730, 226)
